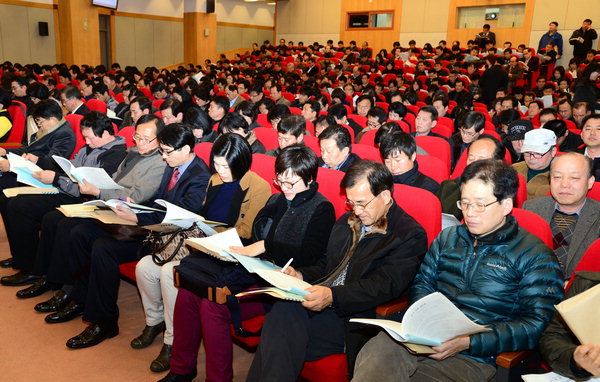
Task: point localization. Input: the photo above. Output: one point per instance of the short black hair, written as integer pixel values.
(158, 122)
(431, 110)
(292, 124)
(221, 102)
(558, 126)
(71, 92)
(247, 109)
(315, 106)
(158, 87)
(278, 111)
(499, 149)
(203, 93)
(173, 104)
(338, 133)
(473, 119)
(591, 116)
(548, 110)
(379, 113)
(338, 111)
(233, 121)
(397, 142)
(46, 109)
(508, 116)
(300, 160)
(98, 122)
(143, 102)
(99, 88)
(21, 80)
(379, 177)
(177, 135)
(385, 129)
(398, 108)
(365, 97)
(37, 90)
(501, 176)
(236, 151)
(197, 118)
(5, 97)
(554, 22)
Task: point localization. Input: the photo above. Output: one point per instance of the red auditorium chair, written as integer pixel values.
(329, 185)
(362, 121)
(17, 111)
(295, 110)
(423, 206)
(310, 128)
(203, 151)
(367, 152)
(535, 224)
(590, 261)
(262, 120)
(368, 138)
(96, 105)
(433, 167)
(264, 166)
(75, 121)
(267, 136)
(594, 192)
(157, 102)
(442, 130)
(438, 147)
(312, 143)
(127, 132)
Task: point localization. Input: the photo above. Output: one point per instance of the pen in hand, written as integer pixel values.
(287, 265)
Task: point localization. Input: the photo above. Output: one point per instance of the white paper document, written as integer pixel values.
(94, 175)
(217, 244)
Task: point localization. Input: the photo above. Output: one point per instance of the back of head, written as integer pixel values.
(278, 111)
(233, 121)
(100, 88)
(379, 113)
(377, 175)
(338, 111)
(71, 92)
(222, 102)
(236, 151)
(46, 109)
(37, 90)
(300, 160)
(176, 135)
(503, 178)
(558, 126)
(197, 118)
(292, 124)
(98, 122)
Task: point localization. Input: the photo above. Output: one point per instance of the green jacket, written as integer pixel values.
(537, 186)
(558, 343)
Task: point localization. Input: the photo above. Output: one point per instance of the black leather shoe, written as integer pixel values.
(6, 263)
(148, 335)
(93, 335)
(69, 312)
(39, 287)
(162, 362)
(172, 377)
(56, 303)
(18, 279)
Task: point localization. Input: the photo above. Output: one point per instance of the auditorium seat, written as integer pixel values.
(75, 121)
(127, 132)
(203, 150)
(267, 136)
(329, 185)
(96, 105)
(433, 167)
(264, 166)
(367, 152)
(18, 112)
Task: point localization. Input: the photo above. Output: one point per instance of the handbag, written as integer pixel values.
(170, 246)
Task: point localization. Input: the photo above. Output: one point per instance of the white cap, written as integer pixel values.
(538, 141)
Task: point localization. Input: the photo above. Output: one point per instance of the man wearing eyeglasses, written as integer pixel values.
(70, 97)
(539, 147)
(497, 274)
(372, 254)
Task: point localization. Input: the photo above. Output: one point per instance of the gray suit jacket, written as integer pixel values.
(586, 231)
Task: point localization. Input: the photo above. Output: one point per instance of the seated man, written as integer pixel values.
(399, 153)
(425, 121)
(496, 273)
(573, 217)
(311, 110)
(70, 97)
(340, 116)
(471, 127)
(565, 139)
(590, 134)
(290, 131)
(485, 147)
(372, 255)
(336, 149)
(559, 346)
(375, 118)
(539, 147)
(515, 135)
(101, 93)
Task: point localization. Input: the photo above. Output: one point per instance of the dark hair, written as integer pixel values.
(267, 102)
(100, 88)
(508, 116)
(21, 80)
(473, 119)
(98, 122)
(379, 177)
(379, 113)
(247, 109)
(37, 90)
(292, 124)
(71, 92)
(431, 110)
(499, 150)
(202, 92)
(384, 130)
(339, 134)
(398, 108)
(158, 122)
(5, 97)
(554, 22)
(236, 151)
(591, 116)
(512, 99)
(177, 135)
(365, 97)
(558, 126)
(173, 104)
(143, 102)
(397, 142)
(46, 109)
(502, 177)
(221, 102)
(548, 110)
(278, 111)
(338, 111)
(233, 121)
(315, 106)
(158, 87)
(299, 159)
(197, 118)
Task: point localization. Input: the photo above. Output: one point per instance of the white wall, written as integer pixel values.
(308, 21)
(169, 8)
(234, 11)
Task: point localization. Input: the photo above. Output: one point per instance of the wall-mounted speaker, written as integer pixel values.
(43, 28)
(210, 6)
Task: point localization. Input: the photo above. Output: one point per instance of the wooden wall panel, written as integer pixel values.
(232, 37)
(377, 40)
(80, 37)
(198, 47)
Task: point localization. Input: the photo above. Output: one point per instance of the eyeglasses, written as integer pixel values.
(282, 184)
(166, 152)
(39, 121)
(535, 155)
(373, 124)
(139, 139)
(362, 206)
(477, 206)
(467, 133)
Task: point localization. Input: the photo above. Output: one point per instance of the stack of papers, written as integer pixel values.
(24, 170)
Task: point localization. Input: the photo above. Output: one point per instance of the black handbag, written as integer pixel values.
(170, 246)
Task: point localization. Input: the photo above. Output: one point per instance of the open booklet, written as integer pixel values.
(24, 170)
(112, 203)
(581, 313)
(430, 321)
(16, 191)
(94, 175)
(92, 212)
(551, 377)
(217, 245)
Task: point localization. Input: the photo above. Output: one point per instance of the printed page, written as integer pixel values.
(96, 176)
(581, 313)
(551, 377)
(25, 176)
(283, 281)
(252, 263)
(15, 191)
(217, 244)
(17, 161)
(66, 166)
(274, 292)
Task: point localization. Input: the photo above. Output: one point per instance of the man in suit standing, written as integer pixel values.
(573, 217)
(486, 37)
(70, 97)
(581, 39)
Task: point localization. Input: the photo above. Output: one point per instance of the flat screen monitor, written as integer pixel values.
(112, 4)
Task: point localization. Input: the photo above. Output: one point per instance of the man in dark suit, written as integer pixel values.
(312, 69)
(493, 78)
(573, 217)
(336, 149)
(582, 38)
(71, 97)
(485, 37)
(95, 291)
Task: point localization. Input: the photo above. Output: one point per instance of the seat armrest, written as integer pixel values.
(392, 307)
(510, 359)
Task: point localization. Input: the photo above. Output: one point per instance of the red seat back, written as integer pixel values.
(362, 121)
(329, 185)
(203, 151)
(295, 110)
(423, 206)
(264, 166)
(589, 262)
(17, 111)
(433, 167)
(127, 132)
(75, 121)
(367, 152)
(96, 105)
(262, 120)
(594, 192)
(368, 138)
(313, 143)
(332, 368)
(267, 136)
(157, 102)
(435, 146)
(535, 224)
(521, 196)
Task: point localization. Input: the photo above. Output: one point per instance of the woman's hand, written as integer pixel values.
(251, 250)
(46, 176)
(125, 212)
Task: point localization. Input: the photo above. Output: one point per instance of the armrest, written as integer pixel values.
(10, 144)
(392, 307)
(508, 360)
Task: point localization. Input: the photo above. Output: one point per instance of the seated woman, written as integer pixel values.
(297, 223)
(471, 127)
(234, 196)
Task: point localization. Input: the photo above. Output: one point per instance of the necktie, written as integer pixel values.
(173, 180)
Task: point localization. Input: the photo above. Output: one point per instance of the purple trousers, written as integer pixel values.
(196, 318)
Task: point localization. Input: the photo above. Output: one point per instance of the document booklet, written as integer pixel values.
(183, 218)
(77, 210)
(430, 321)
(551, 377)
(274, 292)
(24, 170)
(112, 203)
(94, 175)
(217, 245)
(581, 313)
(253, 263)
(284, 282)
(15, 191)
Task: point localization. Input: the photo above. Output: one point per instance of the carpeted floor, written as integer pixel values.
(31, 350)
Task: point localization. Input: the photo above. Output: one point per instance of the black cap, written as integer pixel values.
(518, 128)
